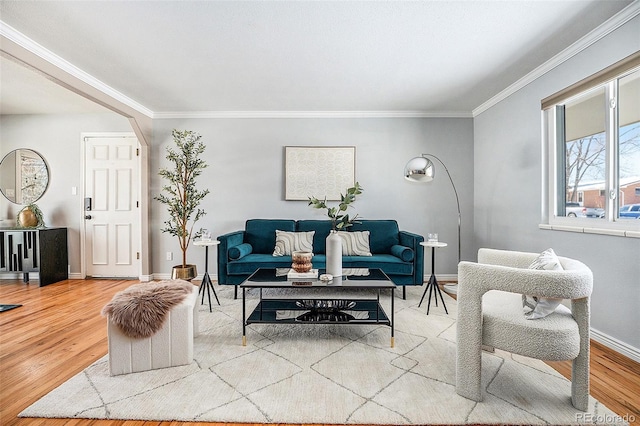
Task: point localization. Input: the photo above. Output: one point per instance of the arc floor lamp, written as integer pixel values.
(421, 169)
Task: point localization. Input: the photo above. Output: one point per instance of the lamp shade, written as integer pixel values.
(419, 169)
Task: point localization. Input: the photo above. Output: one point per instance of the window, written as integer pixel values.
(592, 136)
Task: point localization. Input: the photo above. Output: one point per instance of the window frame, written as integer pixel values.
(553, 155)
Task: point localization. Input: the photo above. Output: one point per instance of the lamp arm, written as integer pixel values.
(455, 191)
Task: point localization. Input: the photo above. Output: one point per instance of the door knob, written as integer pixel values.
(88, 217)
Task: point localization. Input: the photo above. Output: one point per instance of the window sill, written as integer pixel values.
(590, 230)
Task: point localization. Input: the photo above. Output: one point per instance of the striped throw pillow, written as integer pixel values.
(288, 242)
(355, 243)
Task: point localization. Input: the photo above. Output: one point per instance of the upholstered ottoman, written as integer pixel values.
(170, 346)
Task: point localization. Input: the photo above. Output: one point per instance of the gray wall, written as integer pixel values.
(246, 175)
(508, 190)
(57, 139)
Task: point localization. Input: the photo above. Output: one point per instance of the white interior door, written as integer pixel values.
(112, 219)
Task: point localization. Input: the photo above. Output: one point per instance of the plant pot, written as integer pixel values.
(187, 273)
(27, 218)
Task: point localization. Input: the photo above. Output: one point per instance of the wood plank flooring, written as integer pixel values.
(59, 331)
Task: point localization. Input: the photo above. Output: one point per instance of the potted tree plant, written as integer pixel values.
(181, 196)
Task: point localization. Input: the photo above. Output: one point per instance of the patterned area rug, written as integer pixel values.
(338, 374)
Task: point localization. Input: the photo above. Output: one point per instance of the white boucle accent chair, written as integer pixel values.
(490, 313)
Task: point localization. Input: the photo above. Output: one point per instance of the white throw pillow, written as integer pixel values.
(288, 242)
(539, 307)
(355, 243)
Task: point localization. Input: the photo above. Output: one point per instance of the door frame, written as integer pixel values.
(143, 214)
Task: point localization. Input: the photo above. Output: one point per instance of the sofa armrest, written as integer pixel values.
(227, 241)
(413, 241)
(410, 240)
(231, 239)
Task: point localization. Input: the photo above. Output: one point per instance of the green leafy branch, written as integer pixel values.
(338, 219)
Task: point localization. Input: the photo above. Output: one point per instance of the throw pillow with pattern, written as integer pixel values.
(355, 243)
(288, 242)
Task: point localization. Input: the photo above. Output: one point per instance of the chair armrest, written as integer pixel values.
(475, 279)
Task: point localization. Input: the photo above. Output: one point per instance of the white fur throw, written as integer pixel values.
(140, 310)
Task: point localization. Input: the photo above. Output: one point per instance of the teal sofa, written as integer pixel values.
(397, 253)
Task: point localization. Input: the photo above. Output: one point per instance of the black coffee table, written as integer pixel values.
(321, 309)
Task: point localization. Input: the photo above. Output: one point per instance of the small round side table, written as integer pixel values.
(432, 285)
(206, 284)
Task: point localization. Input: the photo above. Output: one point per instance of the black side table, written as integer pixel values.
(432, 285)
(206, 284)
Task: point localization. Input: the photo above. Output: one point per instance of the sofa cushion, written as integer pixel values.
(389, 263)
(252, 262)
(403, 252)
(322, 228)
(261, 233)
(288, 242)
(355, 243)
(241, 250)
(384, 234)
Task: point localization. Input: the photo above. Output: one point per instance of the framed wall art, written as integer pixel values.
(320, 172)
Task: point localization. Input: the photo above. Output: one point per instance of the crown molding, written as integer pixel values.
(310, 114)
(42, 52)
(615, 22)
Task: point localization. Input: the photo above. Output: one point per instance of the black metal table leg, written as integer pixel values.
(207, 284)
(244, 316)
(432, 285)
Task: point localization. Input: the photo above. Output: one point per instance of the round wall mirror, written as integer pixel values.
(24, 176)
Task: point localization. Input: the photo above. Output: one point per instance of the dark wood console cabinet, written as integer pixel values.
(35, 250)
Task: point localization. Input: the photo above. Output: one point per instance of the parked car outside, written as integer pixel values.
(630, 211)
(574, 210)
(594, 212)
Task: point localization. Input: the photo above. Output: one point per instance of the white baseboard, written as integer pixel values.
(165, 276)
(442, 277)
(11, 276)
(76, 276)
(616, 345)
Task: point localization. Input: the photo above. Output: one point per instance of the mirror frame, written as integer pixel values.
(29, 167)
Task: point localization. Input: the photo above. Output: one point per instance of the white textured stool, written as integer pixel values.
(171, 346)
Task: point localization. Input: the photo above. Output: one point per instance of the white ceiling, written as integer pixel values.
(24, 90)
(222, 56)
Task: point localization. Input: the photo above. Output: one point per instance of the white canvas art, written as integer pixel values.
(318, 171)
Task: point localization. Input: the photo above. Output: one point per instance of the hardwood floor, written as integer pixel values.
(59, 331)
